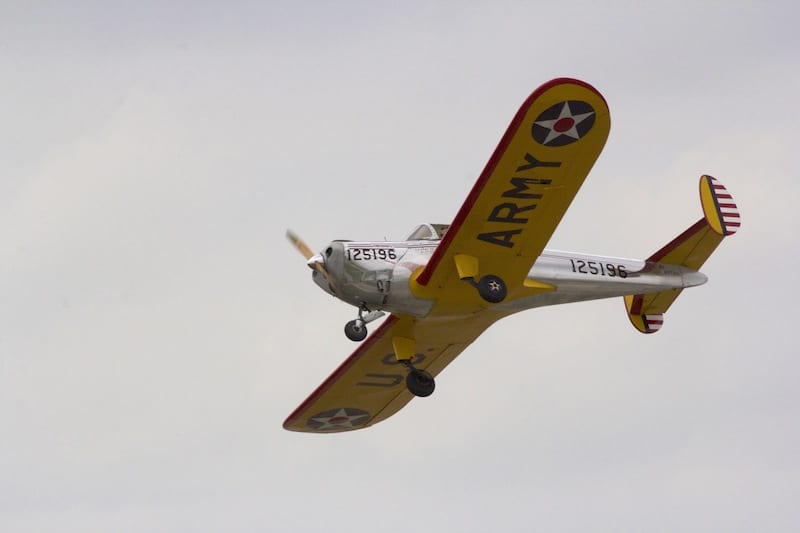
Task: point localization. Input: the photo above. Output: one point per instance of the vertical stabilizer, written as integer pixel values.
(719, 208)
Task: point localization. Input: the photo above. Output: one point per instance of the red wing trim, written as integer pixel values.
(677, 241)
(350, 361)
(636, 305)
(436, 258)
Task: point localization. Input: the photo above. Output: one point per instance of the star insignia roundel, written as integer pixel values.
(563, 123)
(338, 419)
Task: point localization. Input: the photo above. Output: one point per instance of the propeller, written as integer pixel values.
(315, 262)
(299, 244)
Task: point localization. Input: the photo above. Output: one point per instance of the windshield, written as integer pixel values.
(428, 232)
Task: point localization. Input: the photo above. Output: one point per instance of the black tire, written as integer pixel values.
(420, 383)
(492, 289)
(354, 331)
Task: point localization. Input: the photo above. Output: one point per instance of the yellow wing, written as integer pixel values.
(520, 197)
(504, 224)
(370, 385)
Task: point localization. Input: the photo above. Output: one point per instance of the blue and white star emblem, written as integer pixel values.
(563, 123)
(338, 419)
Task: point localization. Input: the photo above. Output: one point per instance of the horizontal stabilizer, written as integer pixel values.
(690, 249)
(645, 323)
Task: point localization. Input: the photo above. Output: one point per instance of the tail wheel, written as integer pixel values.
(420, 383)
(492, 289)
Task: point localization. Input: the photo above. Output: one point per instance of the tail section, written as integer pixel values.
(646, 323)
(719, 209)
(689, 249)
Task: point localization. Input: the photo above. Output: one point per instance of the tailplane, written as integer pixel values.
(689, 249)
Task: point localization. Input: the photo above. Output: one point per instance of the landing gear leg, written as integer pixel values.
(490, 287)
(356, 330)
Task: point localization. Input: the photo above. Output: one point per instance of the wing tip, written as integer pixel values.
(424, 278)
(336, 420)
(294, 421)
(566, 80)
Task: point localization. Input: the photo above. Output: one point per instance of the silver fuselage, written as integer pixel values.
(377, 275)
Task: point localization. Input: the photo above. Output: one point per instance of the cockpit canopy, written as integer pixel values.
(428, 232)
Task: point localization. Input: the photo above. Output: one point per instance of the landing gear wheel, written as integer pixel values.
(492, 289)
(420, 383)
(355, 330)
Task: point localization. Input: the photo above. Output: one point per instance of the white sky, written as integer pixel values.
(156, 328)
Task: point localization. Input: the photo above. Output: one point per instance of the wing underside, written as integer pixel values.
(502, 227)
(522, 194)
(370, 385)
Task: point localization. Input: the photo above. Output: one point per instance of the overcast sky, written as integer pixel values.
(156, 328)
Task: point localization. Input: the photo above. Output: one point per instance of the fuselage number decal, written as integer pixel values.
(371, 254)
(598, 268)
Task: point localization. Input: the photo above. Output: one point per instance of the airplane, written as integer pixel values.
(444, 285)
